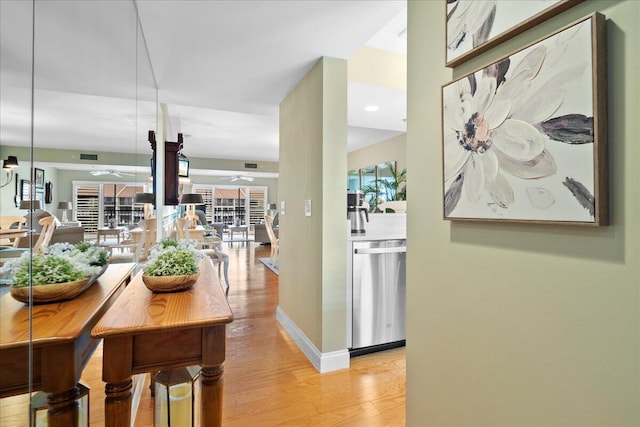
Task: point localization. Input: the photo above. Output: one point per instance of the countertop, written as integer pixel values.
(379, 235)
(381, 227)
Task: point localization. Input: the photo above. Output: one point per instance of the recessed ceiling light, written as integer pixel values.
(371, 108)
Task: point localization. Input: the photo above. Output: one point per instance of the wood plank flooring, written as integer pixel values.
(267, 380)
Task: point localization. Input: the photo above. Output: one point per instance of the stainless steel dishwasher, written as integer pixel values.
(379, 292)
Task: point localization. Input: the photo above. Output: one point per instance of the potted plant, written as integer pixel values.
(62, 272)
(172, 266)
(387, 189)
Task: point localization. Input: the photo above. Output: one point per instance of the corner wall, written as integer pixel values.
(313, 166)
(522, 325)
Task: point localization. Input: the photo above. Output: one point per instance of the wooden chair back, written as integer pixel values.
(48, 224)
(182, 228)
(210, 246)
(129, 250)
(6, 222)
(149, 238)
(275, 242)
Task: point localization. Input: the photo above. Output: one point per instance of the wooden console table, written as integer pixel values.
(61, 343)
(146, 332)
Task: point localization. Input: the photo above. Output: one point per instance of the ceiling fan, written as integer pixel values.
(239, 177)
(111, 172)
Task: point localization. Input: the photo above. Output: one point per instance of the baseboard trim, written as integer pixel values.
(323, 362)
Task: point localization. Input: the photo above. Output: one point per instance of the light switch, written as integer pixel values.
(307, 207)
(283, 207)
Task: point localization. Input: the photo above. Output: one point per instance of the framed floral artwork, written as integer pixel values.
(474, 26)
(524, 138)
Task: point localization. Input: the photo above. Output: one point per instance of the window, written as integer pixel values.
(86, 200)
(230, 204)
(257, 204)
(207, 197)
(96, 203)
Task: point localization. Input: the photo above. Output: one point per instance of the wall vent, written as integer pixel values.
(251, 166)
(88, 156)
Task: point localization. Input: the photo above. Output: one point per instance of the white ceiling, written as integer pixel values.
(222, 68)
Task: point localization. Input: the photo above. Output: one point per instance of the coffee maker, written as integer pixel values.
(357, 213)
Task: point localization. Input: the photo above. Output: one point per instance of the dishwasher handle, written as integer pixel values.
(394, 250)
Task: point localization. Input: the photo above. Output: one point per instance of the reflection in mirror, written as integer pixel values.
(146, 116)
(16, 77)
(94, 100)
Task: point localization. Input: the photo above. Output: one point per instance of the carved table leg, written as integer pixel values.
(63, 408)
(117, 404)
(212, 388)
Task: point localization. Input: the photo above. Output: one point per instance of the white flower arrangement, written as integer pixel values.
(60, 263)
(173, 258)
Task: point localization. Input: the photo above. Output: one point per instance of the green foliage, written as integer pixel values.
(95, 255)
(396, 187)
(45, 270)
(171, 258)
(389, 188)
(61, 262)
(168, 243)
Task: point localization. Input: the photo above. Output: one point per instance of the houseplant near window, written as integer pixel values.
(172, 266)
(62, 272)
(388, 189)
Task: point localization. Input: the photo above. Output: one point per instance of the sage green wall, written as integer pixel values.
(523, 325)
(391, 149)
(62, 179)
(231, 164)
(313, 165)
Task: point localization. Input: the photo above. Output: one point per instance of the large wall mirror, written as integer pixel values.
(77, 99)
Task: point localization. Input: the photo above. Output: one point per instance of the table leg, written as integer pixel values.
(213, 353)
(117, 356)
(211, 402)
(63, 408)
(117, 404)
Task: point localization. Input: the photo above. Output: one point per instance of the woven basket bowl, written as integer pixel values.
(170, 283)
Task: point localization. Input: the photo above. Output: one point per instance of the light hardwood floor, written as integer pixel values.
(267, 380)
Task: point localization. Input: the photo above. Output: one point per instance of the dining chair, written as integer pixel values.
(128, 251)
(149, 237)
(48, 227)
(275, 242)
(6, 222)
(211, 247)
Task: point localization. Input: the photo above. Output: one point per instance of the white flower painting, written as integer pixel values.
(474, 25)
(519, 136)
